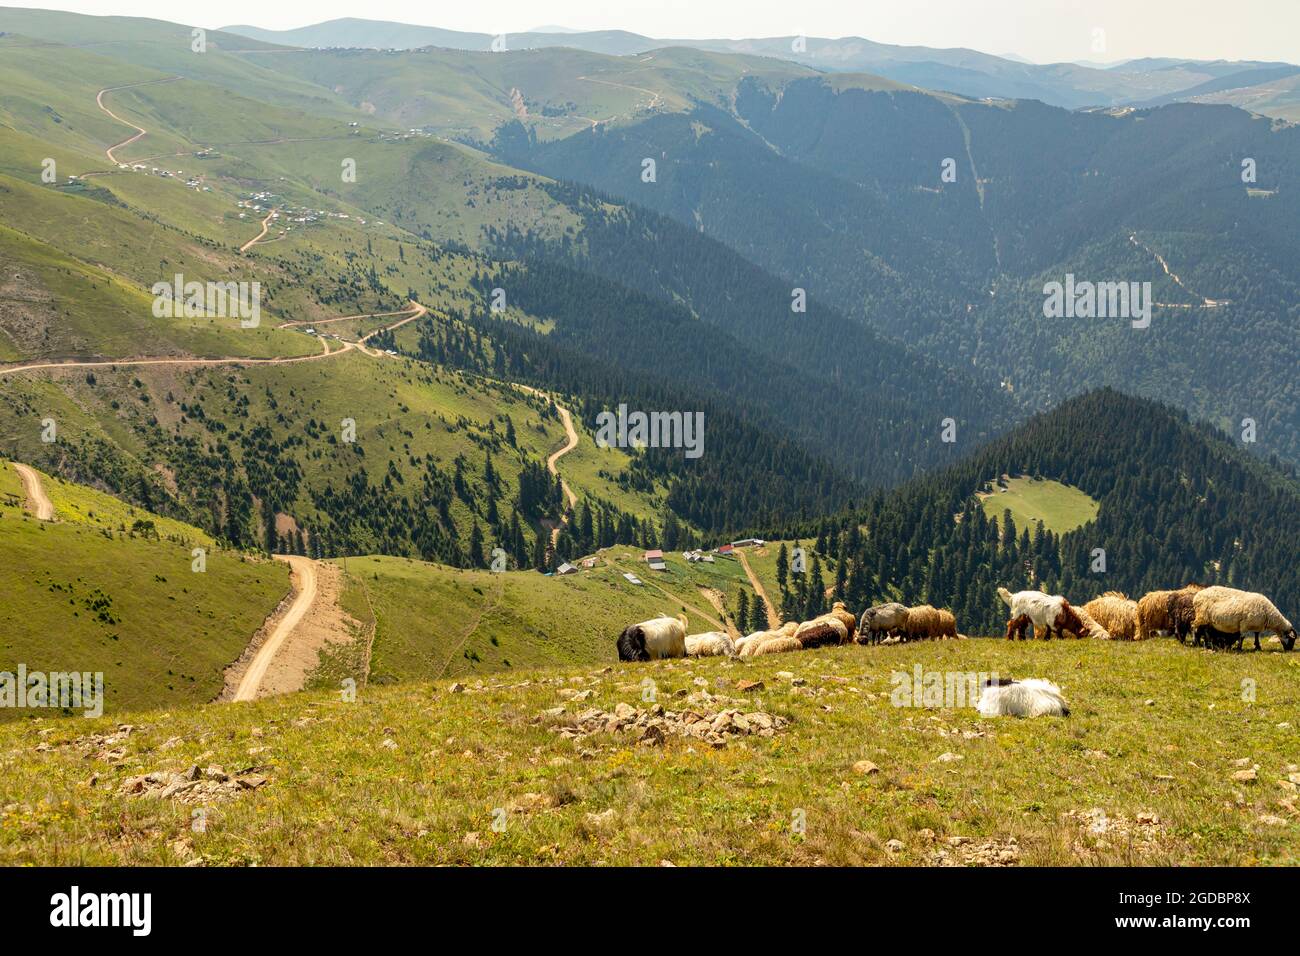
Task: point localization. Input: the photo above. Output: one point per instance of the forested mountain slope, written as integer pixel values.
(1178, 503)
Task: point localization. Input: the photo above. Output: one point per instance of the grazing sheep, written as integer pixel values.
(842, 614)
(1022, 698)
(1116, 613)
(1181, 612)
(1152, 615)
(710, 644)
(879, 621)
(1239, 613)
(927, 623)
(822, 631)
(1090, 627)
(1155, 611)
(652, 640)
(1046, 612)
(778, 645)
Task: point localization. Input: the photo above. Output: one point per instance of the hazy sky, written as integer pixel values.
(1040, 30)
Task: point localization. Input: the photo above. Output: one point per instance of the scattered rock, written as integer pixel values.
(194, 786)
(652, 726)
(1245, 776)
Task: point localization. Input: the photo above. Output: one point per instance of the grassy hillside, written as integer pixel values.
(85, 593)
(433, 621)
(1059, 507)
(1142, 772)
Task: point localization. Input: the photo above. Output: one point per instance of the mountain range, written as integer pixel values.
(963, 71)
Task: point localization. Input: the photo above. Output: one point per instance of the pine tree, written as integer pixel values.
(476, 559)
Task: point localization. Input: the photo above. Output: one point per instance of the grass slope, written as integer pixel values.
(80, 595)
(1140, 773)
(1058, 506)
(433, 621)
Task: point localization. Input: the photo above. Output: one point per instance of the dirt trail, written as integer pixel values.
(266, 225)
(718, 600)
(38, 501)
(773, 618)
(569, 445)
(303, 582)
(326, 352)
(1206, 303)
(571, 442)
(139, 130)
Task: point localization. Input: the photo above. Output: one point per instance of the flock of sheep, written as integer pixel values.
(1215, 617)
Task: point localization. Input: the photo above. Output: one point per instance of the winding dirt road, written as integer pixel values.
(139, 130)
(266, 225)
(571, 442)
(38, 501)
(303, 580)
(1206, 303)
(416, 311)
(773, 618)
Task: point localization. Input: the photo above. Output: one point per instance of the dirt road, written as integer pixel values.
(139, 130)
(37, 500)
(266, 225)
(416, 312)
(571, 442)
(773, 618)
(303, 580)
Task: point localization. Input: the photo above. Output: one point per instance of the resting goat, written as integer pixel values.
(1022, 698)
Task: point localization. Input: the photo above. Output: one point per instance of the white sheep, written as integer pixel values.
(710, 644)
(1229, 611)
(1022, 698)
(652, 640)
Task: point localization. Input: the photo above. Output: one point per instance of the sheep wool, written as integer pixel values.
(879, 621)
(778, 645)
(1116, 613)
(1023, 698)
(1230, 611)
(652, 640)
(822, 631)
(710, 644)
(842, 614)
